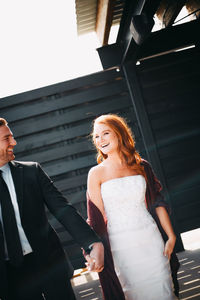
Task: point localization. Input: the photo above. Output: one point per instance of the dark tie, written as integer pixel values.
(11, 232)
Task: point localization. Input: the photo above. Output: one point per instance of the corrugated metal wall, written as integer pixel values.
(52, 126)
(170, 86)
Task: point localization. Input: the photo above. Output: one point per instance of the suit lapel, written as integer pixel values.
(17, 175)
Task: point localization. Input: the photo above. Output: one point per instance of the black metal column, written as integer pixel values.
(130, 74)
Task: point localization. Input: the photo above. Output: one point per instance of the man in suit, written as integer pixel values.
(33, 265)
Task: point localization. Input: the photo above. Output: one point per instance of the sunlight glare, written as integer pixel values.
(40, 47)
(191, 239)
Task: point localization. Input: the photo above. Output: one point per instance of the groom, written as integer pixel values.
(32, 261)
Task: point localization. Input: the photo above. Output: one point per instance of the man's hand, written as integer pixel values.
(95, 261)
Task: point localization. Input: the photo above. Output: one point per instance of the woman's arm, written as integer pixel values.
(167, 227)
(94, 194)
(94, 189)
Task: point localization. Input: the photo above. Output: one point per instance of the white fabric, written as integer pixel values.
(136, 243)
(7, 176)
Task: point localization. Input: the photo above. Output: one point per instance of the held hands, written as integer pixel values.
(169, 247)
(95, 260)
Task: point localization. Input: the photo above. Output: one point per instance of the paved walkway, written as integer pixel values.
(189, 274)
(87, 287)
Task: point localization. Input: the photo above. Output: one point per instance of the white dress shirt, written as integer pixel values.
(7, 176)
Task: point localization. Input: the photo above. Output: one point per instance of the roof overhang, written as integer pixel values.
(100, 15)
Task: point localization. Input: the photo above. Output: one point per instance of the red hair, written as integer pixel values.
(126, 142)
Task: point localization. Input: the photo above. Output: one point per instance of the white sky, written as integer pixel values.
(39, 47)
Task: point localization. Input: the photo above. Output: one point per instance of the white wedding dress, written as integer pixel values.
(136, 243)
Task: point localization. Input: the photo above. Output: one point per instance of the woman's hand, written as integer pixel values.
(95, 260)
(169, 247)
(167, 227)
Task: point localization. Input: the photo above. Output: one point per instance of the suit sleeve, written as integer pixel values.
(65, 212)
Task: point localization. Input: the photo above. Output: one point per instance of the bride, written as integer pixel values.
(117, 190)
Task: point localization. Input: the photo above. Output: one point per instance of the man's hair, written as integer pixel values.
(3, 122)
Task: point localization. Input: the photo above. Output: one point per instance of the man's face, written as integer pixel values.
(7, 143)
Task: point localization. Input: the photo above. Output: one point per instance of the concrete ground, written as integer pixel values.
(87, 287)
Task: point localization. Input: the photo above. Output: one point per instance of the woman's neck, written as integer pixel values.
(115, 161)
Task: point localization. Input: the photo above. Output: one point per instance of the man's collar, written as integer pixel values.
(4, 168)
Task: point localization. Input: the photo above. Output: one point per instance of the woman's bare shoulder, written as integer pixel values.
(96, 170)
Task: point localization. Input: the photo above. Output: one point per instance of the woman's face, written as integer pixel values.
(105, 138)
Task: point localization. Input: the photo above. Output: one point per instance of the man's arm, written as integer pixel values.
(68, 216)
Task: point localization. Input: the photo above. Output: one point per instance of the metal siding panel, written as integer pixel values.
(53, 104)
(85, 82)
(64, 116)
(52, 126)
(57, 151)
(170, 87)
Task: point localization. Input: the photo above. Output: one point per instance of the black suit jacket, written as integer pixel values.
(34, 190)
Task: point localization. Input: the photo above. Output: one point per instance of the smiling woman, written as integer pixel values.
(118, 209)
(105, 138)
(121, 135)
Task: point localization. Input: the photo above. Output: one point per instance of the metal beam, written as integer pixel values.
(171, 38)
(158, 43)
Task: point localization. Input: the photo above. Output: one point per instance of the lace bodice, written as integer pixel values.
(124, 203)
